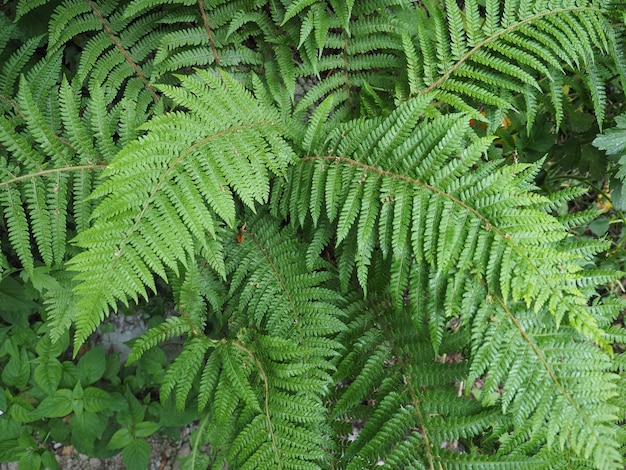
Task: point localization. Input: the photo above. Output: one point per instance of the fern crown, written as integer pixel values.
(351, 252)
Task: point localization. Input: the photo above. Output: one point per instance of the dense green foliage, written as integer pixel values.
(365, 213)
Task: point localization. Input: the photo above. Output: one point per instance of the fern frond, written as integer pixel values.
(164, 191)
(47, 160)
(472, 334)
(265, 386)
(451, 208)
(434, 407)
(25, 6)
(171, 327)
(296, 317)
(15, 216)
(118, 51)
(447, 245)
(399, 421)
(195, 36)
(14, 66)
(71, 19)
(563, 379)
(448, 49)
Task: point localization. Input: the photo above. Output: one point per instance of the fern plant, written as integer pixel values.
(358, 280)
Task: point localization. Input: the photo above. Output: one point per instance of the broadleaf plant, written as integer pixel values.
(361, 275)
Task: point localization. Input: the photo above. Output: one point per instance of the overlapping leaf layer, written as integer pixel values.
(356, 280)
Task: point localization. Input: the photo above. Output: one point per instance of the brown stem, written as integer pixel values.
(123, 50)
(209, 31)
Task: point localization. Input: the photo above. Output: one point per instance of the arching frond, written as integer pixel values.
(358, 278)
(466, 237)
(274, 372)
(173, 187)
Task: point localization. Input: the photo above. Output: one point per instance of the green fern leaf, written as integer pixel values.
(19, 233)
(14, 66)
(240, 139)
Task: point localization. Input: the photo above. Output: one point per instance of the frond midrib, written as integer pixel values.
(435, 85)
(487, 224)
